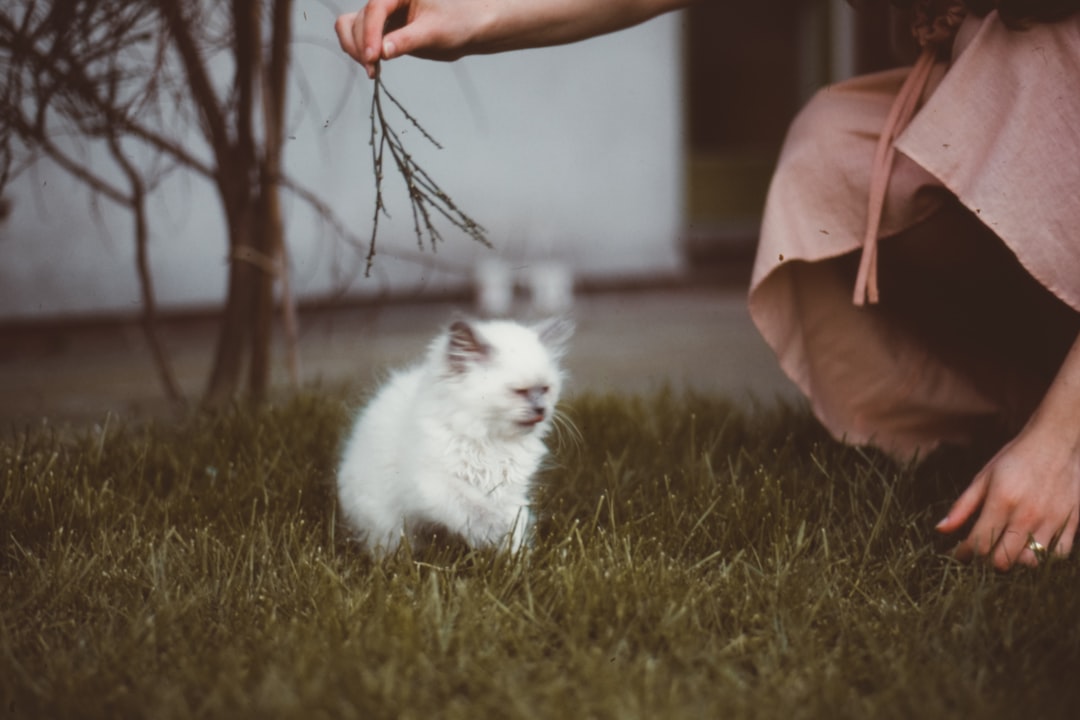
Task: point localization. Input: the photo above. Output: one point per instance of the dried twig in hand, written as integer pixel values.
(425, 195)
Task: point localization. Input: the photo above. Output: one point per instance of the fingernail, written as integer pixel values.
(370, 55)
(941, 522)
(388, 49)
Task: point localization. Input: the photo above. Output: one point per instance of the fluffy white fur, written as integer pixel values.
(454, 442)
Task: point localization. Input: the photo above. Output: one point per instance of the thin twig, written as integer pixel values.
(425, 195)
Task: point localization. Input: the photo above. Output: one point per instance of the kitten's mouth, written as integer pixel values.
(531, 422)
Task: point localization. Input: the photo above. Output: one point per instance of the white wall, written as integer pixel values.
(571, 153)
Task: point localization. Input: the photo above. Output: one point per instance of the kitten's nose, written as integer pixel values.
(538, 413)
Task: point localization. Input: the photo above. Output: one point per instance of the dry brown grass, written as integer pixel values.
(695, 560)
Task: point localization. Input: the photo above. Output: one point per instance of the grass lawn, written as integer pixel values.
(696, 560)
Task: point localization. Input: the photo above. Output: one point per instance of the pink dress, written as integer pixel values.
(999, 128)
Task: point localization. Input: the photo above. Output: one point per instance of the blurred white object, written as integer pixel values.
(551, 287)
(494, 288)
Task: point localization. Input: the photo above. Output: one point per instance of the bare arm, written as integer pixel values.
(1031, 488)
(449, 29)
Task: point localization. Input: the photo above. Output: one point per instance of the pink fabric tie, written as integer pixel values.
(934, 26)
(903, 108)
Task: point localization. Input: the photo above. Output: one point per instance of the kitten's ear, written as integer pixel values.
(555, 333)
(465, 347)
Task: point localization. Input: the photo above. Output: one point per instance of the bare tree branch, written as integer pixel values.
(424, 193)
(79, 171)
(146, 283)
(202, 90)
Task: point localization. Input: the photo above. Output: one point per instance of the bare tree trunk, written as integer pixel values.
(249, 34)
(237, 172)
(275, 90)
(262, 319)
(234, 334)
(270, 239)
(146, 283)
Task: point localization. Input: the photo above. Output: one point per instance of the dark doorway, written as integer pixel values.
(749, 67)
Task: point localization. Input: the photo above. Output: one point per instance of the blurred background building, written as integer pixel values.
(638, 156)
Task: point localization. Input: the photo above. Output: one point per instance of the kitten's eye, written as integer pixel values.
(529, 392)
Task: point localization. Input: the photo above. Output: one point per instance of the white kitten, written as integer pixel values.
(454, 442)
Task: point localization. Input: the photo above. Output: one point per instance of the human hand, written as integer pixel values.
(450, 29)
(433, 29)
(1029, 491)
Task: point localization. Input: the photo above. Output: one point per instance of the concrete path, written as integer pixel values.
(637, 341)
